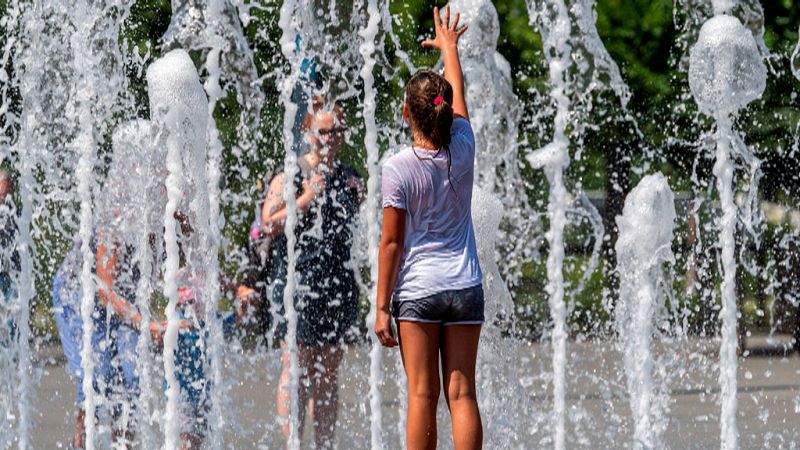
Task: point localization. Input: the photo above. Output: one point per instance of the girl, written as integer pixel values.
(428, 261)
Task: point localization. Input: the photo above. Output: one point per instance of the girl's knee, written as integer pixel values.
(424, 392)
(460, 388)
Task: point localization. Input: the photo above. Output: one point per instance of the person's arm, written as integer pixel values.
(389, 254)
(273, 213)
(446, 41)
(106, 265)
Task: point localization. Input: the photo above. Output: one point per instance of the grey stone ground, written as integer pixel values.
(769, 401)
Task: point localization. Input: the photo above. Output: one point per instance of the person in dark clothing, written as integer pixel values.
(326, 297)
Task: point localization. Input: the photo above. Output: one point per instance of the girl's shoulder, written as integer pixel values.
(401, 159)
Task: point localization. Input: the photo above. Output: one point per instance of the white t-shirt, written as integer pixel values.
(439, 251)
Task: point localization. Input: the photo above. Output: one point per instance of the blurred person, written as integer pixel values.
(116, 318)
(328, 195)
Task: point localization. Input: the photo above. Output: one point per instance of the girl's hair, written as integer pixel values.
(318, 105)
(429, 98)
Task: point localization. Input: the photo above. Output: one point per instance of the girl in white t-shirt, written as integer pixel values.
(428, 271)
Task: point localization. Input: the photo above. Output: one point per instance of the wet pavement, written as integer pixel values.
(598, 412)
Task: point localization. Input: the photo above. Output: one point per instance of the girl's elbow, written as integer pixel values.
(392, 245)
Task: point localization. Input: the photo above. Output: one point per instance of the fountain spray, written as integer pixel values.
(25, 279)
(85, 146)
(367, 49)
(135, 139)
(212, 237)
(174, 193)
(289, 27)
(643, 246)
(726, 72)
(554, 159)
(795, 60)
(26, 293)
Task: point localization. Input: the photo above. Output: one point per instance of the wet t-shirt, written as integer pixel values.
(439, 252)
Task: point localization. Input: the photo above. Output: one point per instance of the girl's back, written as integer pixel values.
(439, 241)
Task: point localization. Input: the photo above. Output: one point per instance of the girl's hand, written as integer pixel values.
(383, 329)
(157, 332)
(447, 34)
(314, 185)
(245, 302)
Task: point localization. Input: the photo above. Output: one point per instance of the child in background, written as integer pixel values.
(191, 358)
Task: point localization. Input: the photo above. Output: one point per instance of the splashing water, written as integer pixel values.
(726, 72)
(644, 244)
(213, 26)
(369, 34)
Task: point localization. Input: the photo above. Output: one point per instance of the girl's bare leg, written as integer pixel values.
(77, 440)
(459, 352)
(285, 394)
(325, 392)
(190, 441)
(419, 347)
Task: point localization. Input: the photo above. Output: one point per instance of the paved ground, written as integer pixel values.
(597, 407)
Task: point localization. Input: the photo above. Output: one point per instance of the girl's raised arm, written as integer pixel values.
(446, 41)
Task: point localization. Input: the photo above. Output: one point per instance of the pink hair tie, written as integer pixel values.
(438, 100)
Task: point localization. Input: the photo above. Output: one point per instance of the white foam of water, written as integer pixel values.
(644, 243)
(372, 210)
(726, 71)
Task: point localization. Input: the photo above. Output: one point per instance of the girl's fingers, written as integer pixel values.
(437, 21)
(462, 30)
(386, 339)
(454, 25)
(428, 43)
(447, 16)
